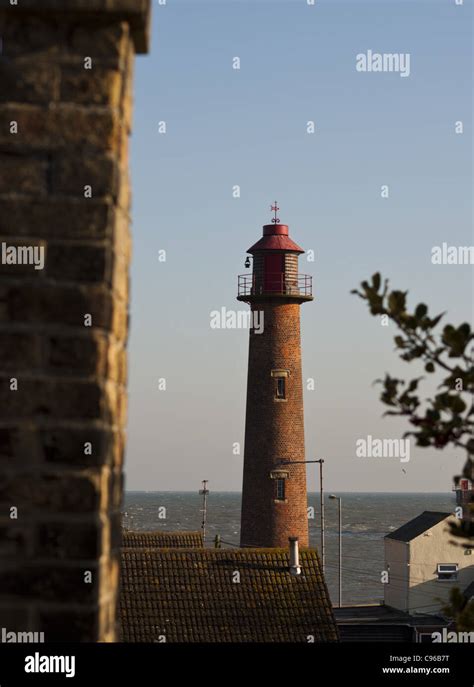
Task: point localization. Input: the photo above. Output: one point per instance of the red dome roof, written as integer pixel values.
(275, 237)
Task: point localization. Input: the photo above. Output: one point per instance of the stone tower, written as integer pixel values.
(274, 500)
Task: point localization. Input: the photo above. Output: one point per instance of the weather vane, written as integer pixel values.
(275, 208)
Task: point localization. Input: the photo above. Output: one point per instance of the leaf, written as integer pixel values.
(411, 322)
(457, 405)
(436, 319)
(414, 384)
(396, 302)
(421, 310)
(400, 341)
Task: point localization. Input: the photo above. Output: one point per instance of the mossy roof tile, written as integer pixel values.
(188, 595)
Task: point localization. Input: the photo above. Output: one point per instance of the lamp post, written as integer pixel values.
(204, 493)
(321, 499)
(338, 498)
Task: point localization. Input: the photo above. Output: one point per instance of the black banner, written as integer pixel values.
(143, 664)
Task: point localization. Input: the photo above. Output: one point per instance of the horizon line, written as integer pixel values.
(228, 491)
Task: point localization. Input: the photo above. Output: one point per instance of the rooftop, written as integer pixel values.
(469, 591)
(379, 614)
(217, 595)
(275, 237)
(162, 540)
(380, 623)
(413, 528)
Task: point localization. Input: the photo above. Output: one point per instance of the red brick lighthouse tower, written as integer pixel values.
(274, 500)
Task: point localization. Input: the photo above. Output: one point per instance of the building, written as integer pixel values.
(217, 595)
(380, 623)
(274, 501)
(424, 562)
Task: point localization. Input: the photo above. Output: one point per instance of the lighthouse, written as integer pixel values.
(274, 499)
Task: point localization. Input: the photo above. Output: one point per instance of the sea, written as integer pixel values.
(366, 519)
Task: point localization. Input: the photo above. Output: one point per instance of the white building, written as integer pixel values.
(424, 562)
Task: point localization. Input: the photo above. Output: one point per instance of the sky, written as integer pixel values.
(248, 127)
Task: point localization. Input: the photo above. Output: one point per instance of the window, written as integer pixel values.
(281, 387)
(280, 489)
(447, 572)
(280, 377)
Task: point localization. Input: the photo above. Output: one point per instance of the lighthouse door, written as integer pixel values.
(273, 271)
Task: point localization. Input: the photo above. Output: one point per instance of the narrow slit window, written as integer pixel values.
(281, 387)
(280, 489)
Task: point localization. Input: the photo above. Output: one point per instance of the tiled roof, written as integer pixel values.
(469, 591)
(194, 596)
(161, 540)
(417, 526)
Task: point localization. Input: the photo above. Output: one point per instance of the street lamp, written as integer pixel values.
(338, 498)
(204, 492)
(321, 499)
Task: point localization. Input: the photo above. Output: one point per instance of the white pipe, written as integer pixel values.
(295, 568)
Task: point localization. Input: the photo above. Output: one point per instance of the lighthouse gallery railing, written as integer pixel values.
(276, 284)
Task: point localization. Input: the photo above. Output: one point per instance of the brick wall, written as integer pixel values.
(274, 431)
(65, 118)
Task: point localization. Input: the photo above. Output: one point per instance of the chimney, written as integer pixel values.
(295, 568)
